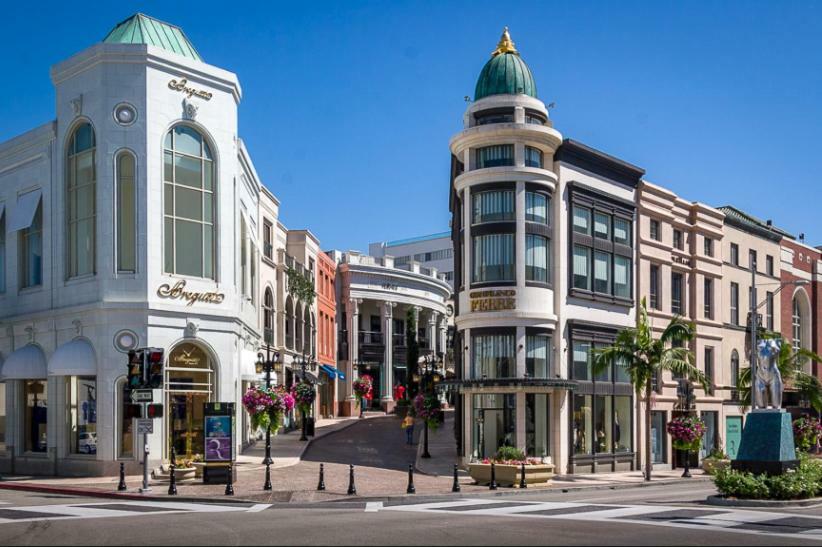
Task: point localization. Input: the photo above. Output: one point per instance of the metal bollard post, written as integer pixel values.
(267, 485)
(410, 489)
(522, 477)
(172, 483)
(121, 486)
(493, 484)
(456, 486)
(352, 490)
(229, 484)
(321, 484)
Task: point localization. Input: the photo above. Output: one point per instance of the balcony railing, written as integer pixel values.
(399, 340)
(371, 338)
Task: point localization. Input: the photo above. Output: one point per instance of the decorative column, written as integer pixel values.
(432, 332)
(353, 353)
(388, 361)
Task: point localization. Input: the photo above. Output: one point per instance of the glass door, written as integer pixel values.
(659, 453)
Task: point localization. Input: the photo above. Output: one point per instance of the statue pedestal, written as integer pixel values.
(767, 443)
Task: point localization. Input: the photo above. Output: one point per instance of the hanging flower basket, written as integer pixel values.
(304, 395)
(363, 387)
(266, 408)
(686, 432)
(427, 408)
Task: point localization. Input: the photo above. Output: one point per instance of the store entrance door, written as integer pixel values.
(733, 435)
(189, 385)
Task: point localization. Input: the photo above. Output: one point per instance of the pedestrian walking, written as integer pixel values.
(408, 426)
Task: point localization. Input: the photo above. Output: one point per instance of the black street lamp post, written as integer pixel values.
(430, 376)
(266, 364)
(311, 365)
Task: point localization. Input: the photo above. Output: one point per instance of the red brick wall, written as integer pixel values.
(814, 290)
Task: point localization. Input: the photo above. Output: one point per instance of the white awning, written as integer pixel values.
(22, 215)
(248, 369)
(27, 363)
(75, 358)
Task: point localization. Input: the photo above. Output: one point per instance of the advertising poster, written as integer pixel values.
(218, 438)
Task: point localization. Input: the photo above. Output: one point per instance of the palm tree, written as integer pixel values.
(789, 362)
(645, 357)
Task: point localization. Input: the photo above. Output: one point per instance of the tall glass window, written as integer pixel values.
(735, 303)
(734, 375)
(677, 303)
(494, 356)
(537, 355)
(582, 361)
(126, 213)
(536, 258)
(582, 260)
(602, 272)
(31, 251)
(495, 156)
(769, 310)
(796, 322)
(603, 423)
(622, 276)
(582, 417)
(189, 196)
(81, 178)
(82, 410)
(494, 258)
(582, 220)
(602, 226)
(537, 207)
(622, 231)
(708, 296)
(2, 253)
(493, 206)
(533, 157)
(654, 287)
(623, 424)
(268, 317)
(35, 398)
(126, 422)
(495, 423)
(537, 428)
(709, 368)
(602, 259)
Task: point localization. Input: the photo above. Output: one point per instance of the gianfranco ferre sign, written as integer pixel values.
(178, 292)
(493, 300)
(182, 86)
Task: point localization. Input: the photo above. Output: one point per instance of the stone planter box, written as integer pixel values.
(712, 465)
(509, 475)
(198, 469)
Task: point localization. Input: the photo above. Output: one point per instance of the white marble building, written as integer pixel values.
(130, 220)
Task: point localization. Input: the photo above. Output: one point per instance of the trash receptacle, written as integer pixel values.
(309, 426)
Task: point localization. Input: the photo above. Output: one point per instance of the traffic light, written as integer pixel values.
(133, 412)
(135, 369)
(153, 367)
(155, 410)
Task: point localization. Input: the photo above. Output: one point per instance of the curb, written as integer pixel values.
(722, 501)
(94, 493)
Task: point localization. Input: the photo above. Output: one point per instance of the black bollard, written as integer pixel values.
(410, 489)
(172, 483)
(267, 485)
(229, 484)
(121, 487)
(321, 484)
(493, 484)
(456, 486)
(352, 490)
(522, 477)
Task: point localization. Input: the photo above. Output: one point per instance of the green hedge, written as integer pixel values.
(804, 482)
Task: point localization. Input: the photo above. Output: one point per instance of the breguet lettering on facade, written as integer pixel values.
(493, 300)
(178, 292)
(182, 86)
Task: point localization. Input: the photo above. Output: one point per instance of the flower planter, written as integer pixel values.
(712, 465)
(198, 469)
(509, 475)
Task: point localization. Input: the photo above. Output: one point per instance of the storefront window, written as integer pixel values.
(537, 429)
(126, 440)
(623, 424)
(583, 426)
(494, 258)
(495, 423)
(494, 356)
(82, 407)
(709, 441)
(35, 397)
(2, 417)
(603, 424)
(189, 385)
(537, 352)
(658, 436)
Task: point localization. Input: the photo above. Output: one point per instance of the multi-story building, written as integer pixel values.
(431, 251)
(133, 218)
(680, 250)
(376, 299)
(801, 300)
(327, 336)
(543, 274)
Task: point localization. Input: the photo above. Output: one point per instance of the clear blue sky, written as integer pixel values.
(348, 106)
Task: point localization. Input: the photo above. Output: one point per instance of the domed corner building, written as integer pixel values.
(544, 234)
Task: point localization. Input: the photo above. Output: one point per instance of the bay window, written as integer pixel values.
(189, 209)
(537, 207)
(493, 258)
(537, 354)
(493, 206)
(533, 157)
(81, 202)
(494, 355)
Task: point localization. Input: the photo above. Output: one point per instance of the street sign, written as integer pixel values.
(145, 426)
(142, 396)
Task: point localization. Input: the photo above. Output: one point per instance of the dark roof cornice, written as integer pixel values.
(583, 156)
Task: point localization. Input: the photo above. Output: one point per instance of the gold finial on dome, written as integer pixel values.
(505, 45)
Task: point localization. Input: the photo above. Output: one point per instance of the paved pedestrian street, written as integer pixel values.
(794, 525)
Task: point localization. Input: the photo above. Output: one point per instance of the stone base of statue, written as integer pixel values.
(767, 443)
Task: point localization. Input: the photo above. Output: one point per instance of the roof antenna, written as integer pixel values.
(802, 237)
(467, 98)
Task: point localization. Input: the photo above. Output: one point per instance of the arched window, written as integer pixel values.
(310, 332)
(189, 210)
(289, 323)
(734, 374)
(299, 331)
(268, 317)
(126, 213)
(797, 325)
(81, 203)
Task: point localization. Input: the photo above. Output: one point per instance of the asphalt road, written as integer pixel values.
(667, 515)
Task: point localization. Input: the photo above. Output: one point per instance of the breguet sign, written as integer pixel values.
(179, 292)
(182, 86)
(493, 300)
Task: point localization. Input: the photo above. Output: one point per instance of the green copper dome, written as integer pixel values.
(142, 29)
(506, 73)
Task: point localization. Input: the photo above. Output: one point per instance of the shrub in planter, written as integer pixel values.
(736, 484)
(715, 461)
(509, 453)
(804, 482)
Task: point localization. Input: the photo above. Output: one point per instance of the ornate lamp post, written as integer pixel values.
(430, 376)
(266, 364)
(311, 365)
